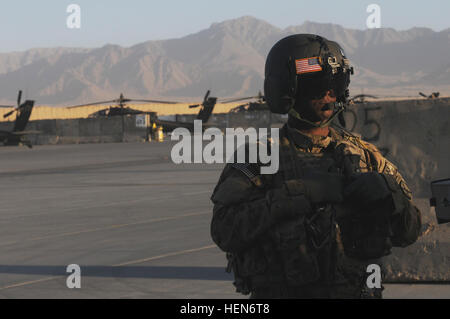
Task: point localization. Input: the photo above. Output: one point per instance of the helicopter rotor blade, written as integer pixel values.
(260, 95)
(239, 99)
(8, 114)
(362, 96)
(19, 97)
(206, 95)
(6, 106)
(89, 104)
(152, 101)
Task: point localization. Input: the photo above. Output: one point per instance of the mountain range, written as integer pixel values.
(227, 58)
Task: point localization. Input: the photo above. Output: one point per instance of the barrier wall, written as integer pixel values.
(77, 131)
(414, 135)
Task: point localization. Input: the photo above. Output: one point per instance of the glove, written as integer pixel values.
(288, 201)
(321, 187)
(366, 189)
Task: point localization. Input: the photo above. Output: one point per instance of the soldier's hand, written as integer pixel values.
(321, 187)
(365, 189)
(288, 201)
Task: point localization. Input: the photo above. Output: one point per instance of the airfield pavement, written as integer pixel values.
(137, 225)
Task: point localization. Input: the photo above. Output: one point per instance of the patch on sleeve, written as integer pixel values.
(406, 190)
(389, 168)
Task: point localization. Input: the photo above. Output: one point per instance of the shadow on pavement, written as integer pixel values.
(166, 272)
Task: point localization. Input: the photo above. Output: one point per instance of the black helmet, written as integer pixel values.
(305, 66)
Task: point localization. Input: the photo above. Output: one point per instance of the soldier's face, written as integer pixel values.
(321, 109)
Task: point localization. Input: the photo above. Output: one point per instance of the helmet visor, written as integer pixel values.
(315, 86)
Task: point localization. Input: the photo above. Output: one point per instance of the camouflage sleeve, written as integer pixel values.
(406, 218)
(244, 210)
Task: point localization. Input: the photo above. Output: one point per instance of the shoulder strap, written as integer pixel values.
(249, 170)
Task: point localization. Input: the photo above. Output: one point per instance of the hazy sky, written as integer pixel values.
(28, 23)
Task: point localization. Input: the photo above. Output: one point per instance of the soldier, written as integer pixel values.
(335, 205)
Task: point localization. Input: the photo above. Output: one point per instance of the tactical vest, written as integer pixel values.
(310, 248)
(307, 242)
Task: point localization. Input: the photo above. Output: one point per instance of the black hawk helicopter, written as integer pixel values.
(17, 135)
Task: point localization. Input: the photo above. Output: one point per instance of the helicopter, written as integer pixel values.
(360, 98)
(433, 95)
(259, 105)
(206, 109)
(120, 109)
(17, 135)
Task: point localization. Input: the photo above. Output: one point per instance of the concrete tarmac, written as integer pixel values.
(135, 223)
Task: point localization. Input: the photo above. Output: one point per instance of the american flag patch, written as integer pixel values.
(307, 65)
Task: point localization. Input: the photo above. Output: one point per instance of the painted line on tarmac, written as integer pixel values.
(181, 252)
(28, 283)
(197, 193)
(107, 228)
(132, 262)
(110, 204)
(60, 170)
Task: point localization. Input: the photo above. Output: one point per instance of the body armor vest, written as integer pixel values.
(315, 247)
(308, 241)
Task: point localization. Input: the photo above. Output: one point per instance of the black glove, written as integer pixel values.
(321, 187)
(288, 201)
(366, 189)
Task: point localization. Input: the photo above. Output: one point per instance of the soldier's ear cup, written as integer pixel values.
(277, 95)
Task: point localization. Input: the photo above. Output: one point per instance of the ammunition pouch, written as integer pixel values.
(299, 259)
(241, 282)
(288, 201)
(367, 235)
(251, 268)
